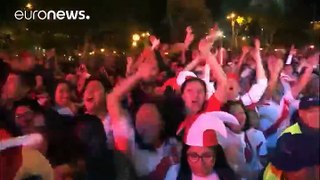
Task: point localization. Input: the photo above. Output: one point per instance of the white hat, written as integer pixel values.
(184, 75)
(202, 131)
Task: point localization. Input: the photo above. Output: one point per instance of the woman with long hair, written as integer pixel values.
(202, 156)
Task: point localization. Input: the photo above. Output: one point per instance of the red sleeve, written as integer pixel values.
(213, 104)
(170, 82)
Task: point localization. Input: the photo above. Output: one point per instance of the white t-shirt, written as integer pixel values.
(234, 148)
(172, 174)
(146, 161)
(271, 111)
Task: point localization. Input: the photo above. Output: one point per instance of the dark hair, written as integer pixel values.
(227, 108)
(102, 79)
(32, 104)
(194, 79)
(165, 106)
(220, 165)
(91, 143)
(163, 135)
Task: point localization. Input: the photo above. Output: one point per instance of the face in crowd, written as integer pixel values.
(238, 111)
(194, 96)
(62, 94)
(310, 116)
(13, 87)
(94, 97)
(149, 124)
(27, 120)
(201, 160)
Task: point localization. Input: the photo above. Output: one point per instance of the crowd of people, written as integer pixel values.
(200, 113)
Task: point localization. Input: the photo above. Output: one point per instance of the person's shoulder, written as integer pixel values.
(254, 132)
(172, 172)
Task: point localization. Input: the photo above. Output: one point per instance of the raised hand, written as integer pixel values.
(275, 65)
(154, 41)
(148, 71)
(213, 35)
(245, 50)
(255, 53)
(189, 37)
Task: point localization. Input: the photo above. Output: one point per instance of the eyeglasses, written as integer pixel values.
(26, 115)
(194, 157)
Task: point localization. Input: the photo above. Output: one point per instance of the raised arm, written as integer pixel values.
(220, 77)
(302, 82)
(205, 50)
(118, 115)
(245, 50)
(193, 64)
(258, 89)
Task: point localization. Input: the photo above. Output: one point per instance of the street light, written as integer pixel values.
(135, 37)
(134, 44)
(232, 19)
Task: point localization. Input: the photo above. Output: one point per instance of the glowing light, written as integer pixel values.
(114, 52)
(147, 33)
(166, 53)
(243, 38)
(220, 33)
(102, 50)
(79, 54)
(240, 20)
(134, 44)
(91, 53)
(143, 34)
(136, 37)
(29, 6)
(311, 46)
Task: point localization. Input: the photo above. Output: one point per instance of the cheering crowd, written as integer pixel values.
(200, 113)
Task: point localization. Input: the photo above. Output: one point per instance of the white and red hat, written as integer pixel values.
(30, 140)
(18, 162)
(201, 129)
(185, 75)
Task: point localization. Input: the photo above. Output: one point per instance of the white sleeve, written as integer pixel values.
(172, 173)
(245, 73)
(255, 93)
(289, 59)
(122, 128)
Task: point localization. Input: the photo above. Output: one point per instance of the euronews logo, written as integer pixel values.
(51, 15)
